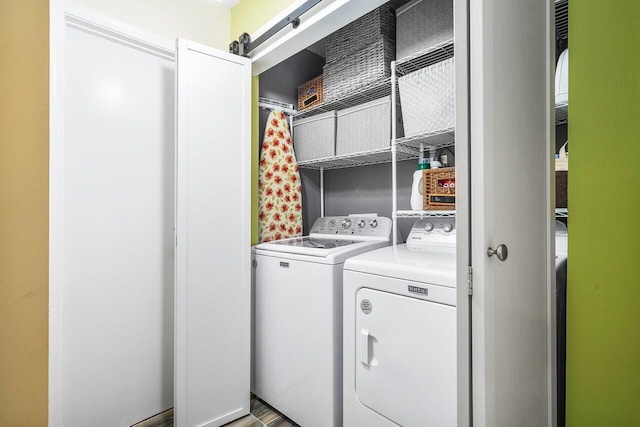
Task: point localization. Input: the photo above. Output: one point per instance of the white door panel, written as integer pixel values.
(212, 236)
(112, 205)
(463, 211)
(510, 105)
(405, 360)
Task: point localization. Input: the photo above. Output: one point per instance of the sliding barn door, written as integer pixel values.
(213, 283)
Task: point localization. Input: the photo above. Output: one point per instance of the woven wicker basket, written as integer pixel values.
(360, 69)
(562, 176)
(311, 93)
(361, 33)
(561, 189)
(438, 189)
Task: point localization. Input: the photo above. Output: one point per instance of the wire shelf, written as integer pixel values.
(272, 104)
(560, 213)
(382, 87)
(425, 58)
(425, 214)
(562, 18)
(436, 139)
(365, 158)
(364, 94)
(562, 114)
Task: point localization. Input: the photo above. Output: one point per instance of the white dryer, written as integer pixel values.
(400, 331)
(298, 316)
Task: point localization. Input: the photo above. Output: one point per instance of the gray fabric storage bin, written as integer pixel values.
(421, 24)
(364, 127)
(315, 137)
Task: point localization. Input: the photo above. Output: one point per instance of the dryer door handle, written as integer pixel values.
(364, 346)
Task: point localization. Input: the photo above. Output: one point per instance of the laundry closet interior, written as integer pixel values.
(200, 314)
(359, 179)
(356, 169)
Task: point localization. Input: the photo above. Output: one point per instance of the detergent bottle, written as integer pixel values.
(416, 186)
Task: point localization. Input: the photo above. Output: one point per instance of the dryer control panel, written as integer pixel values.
(431, 231)
(361, 226)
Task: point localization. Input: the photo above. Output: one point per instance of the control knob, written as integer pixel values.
(428, 226)
(447, 227)
(362, 223)
(346, 223)
(373, 223)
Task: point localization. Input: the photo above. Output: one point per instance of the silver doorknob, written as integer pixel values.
(501, 252)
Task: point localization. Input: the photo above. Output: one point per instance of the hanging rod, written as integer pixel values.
(272, 104)
(244, 44)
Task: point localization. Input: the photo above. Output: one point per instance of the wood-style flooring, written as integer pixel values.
(262, 415)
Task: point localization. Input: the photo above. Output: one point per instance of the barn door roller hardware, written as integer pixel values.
(244, 44)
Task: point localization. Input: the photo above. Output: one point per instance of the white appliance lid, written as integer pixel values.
(335, 255)
(434, 264)
(334, 238)
(314, 242)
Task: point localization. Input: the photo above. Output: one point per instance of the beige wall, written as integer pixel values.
(24, 168)
(203, 21)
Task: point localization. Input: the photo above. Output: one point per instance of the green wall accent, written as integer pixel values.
(248, 16)
(603, 308)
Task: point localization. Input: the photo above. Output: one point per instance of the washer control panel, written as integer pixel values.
(430, 231)
(373, 226)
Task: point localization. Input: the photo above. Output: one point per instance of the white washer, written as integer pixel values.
(400, 331)
(298, 316)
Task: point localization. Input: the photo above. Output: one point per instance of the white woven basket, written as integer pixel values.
(422, 24)
(427, 98)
